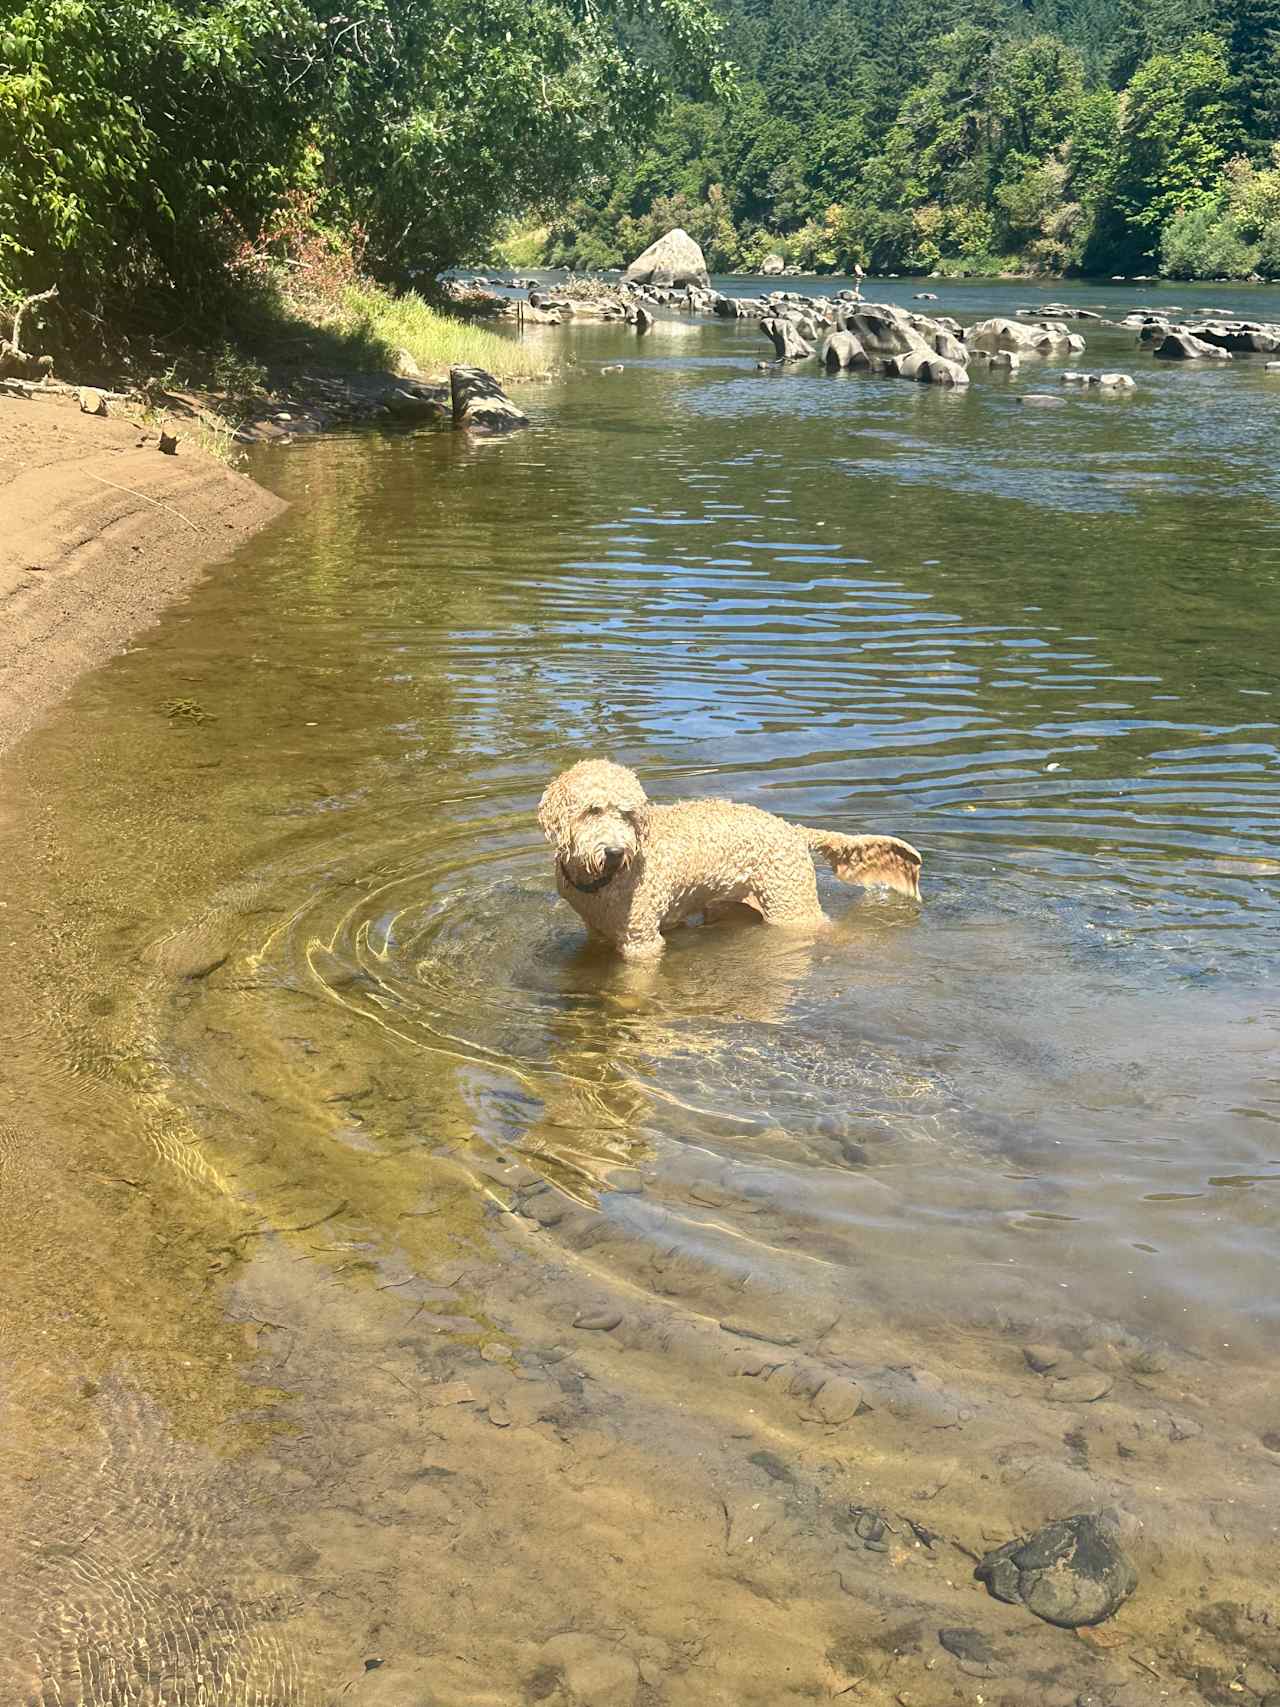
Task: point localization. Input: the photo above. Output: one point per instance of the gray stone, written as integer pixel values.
(602, 1321)
(842, 350)
(773, 265)
(480, 404)
(788, 345)
(882, 330)
(837, 1400)
(937, 370)
(949, 347)
(675, 259)
(1080, 1389)
(1069, 1573)
(971, 1646)
(1177, 346)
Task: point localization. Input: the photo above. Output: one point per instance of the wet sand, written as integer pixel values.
(101, 533)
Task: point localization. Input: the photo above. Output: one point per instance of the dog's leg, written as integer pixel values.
(642, 947)
(785, 889)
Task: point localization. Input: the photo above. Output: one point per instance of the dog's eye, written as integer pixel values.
(594, 811)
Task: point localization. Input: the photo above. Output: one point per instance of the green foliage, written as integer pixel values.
(948, 135)
(1205, 243)
(140, 140)
(1232, 236)
(1179, 129)
(147, 144)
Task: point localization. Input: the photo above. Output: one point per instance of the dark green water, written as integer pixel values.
(309, 944)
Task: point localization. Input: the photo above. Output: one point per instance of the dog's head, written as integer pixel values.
(596, 816)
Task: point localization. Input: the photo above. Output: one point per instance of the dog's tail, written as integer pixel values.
(868, 860)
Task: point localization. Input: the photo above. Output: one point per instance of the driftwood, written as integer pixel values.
(13, 358)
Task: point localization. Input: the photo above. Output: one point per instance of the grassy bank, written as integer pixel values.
(436, 340)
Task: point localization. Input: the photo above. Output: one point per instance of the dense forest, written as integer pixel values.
(966, 136)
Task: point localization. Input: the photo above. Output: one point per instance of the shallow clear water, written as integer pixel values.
(291, 834)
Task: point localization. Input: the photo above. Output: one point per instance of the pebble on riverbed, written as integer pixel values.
(1069, 1573)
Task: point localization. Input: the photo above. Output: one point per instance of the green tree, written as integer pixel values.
(1179, 129)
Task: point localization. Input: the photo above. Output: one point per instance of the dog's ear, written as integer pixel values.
(553, 813)
(642, 817)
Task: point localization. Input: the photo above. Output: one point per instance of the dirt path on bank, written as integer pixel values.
(100, 532)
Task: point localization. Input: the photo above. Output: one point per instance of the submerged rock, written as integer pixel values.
(1069, 1573)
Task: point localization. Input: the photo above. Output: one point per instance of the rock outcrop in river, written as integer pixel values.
(675, 259)
(480, 404)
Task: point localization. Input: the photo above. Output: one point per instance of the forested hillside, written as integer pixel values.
(968, 136)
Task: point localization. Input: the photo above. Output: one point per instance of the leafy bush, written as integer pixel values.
(140, 141)
(1205, 243)
(145, 142)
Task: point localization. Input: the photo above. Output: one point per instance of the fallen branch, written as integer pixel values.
(21, 309)
(146, 500)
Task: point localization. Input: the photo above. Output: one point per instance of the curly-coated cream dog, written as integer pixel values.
(629, 868)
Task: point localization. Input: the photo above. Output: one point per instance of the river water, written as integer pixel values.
(410, 1303)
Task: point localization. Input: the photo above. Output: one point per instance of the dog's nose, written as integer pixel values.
(614, 850)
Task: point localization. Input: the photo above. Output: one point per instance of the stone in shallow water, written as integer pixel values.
(1082, 1388)
(970, 1647)
(1069, 1573)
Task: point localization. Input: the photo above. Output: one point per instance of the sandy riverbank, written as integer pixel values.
(100, 533)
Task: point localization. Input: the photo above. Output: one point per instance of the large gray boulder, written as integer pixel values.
(788, 345)
(881, 329)
(949, 347)
(1247, 336)
(480, 404)
(773, 265)
(998, 334)
(675, 259)
(938, 370)
(842, 350)
(1179, 346)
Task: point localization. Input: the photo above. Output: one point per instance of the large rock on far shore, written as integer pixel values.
(480, 404)
(675, 259)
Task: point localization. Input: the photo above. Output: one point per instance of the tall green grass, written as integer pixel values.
(436, 341)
